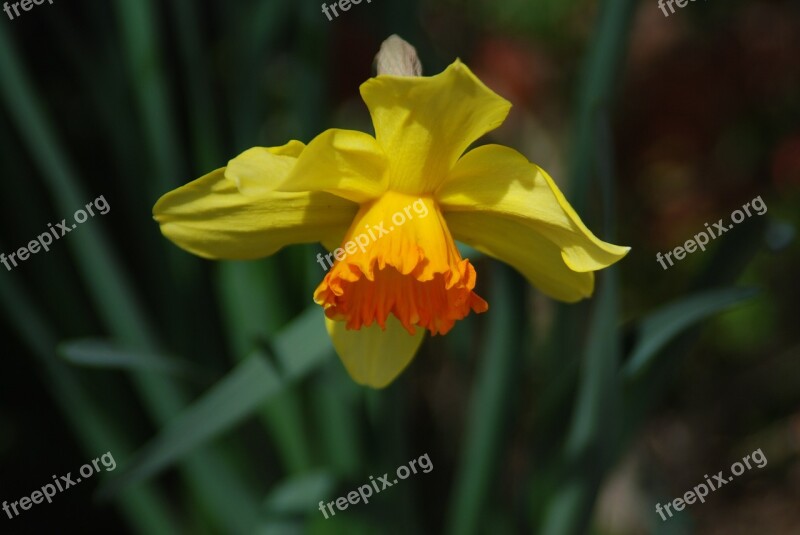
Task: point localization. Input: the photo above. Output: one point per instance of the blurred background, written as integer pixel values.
(214, 385)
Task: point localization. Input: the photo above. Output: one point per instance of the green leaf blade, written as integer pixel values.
(657, 329)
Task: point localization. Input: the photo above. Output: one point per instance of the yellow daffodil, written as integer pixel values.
(380, 299)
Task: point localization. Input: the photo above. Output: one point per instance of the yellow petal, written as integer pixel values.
(537, 258)
(292, 148)
(263, 168)
(497, 201)
(346, 163)
(212, 217)
(374, 356)
(425, 123)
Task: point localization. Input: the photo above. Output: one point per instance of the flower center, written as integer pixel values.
(399, 258)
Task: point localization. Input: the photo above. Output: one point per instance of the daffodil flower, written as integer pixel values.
(379, 301)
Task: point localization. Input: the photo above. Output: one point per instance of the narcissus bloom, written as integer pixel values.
(379, 301)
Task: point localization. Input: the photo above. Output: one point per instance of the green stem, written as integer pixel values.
(588, 452)
(603, 67)
(490, 404)
(142, 506)
(111, 291)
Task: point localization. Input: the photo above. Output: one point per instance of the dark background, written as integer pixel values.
(692, 115)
